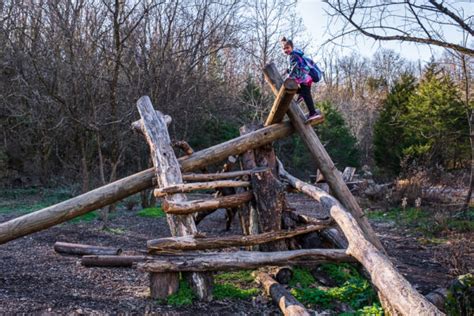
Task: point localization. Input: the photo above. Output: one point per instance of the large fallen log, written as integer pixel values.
(168, 173)
(201, 243)
(82, 250)
(288, 304)
(241, 260)
(395, 289)
(282, 102)
(190, 187)
(112, 261)
(189, 207)
(323, 161)
(120, 189)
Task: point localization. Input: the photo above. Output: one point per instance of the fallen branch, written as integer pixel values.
(201, 243)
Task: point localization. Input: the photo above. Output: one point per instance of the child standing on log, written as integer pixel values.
(299, 70)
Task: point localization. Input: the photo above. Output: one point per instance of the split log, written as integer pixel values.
(395, 289)
(324, 162)
(289, 306)
(82, 250)
(168, 173)
(282, 102)
(120, 189)
(241, 260)
(189, 187)
(202, 243)
(220, 176)
(189, 207)
(112, 261)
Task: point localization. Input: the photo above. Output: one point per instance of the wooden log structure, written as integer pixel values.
(168, 173)
(189, 207)
(287, 303)
(282, 275)
(282, 102)
(82, 250)
(138, 125)
(320, 155)
(111, 261)
(120, 189)
(395, 289)
(190, 187)
(220, 176)
(187, 243)
(241, 260)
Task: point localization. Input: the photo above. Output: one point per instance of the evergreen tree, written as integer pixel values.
(435, 128)
(389, 128)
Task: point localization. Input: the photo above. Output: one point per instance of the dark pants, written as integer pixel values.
(305, 92)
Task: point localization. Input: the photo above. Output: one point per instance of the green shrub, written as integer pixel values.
(184, 296)
(228, 290)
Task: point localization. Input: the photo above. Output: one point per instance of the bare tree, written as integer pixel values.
(423, 22)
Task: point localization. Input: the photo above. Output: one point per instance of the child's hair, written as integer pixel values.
(285, 41)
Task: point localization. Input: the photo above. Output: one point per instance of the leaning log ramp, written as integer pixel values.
(256, 194)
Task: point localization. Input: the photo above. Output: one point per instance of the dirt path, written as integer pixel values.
(34, 279)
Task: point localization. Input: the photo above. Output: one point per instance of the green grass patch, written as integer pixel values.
(352, 289)
(185, 295)
(235, 285)
(31, 199)
(153, 212)
(229, 290)
(88, 217)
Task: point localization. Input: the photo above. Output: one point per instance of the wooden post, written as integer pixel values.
(325, 164)
(168, 173)
(282, 102)
(395, 289)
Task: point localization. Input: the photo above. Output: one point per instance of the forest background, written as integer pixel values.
(72, 71)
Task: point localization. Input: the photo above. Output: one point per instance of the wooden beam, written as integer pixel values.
(120, 189)
(187, 243)
(190, 187)
(82, 250)
(282, 102)
(288, 304)
(168, 173)
(324, 162)
(189, 207)
(392, 285)
(241, 260)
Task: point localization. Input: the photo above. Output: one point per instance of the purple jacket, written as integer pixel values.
(297, 68)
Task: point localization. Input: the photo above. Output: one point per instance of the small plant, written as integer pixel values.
(153, 212)
(183, 297)
(88, 217)
(237, 285)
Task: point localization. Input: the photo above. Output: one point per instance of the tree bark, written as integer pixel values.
(111, 261)
(282, 102)
(81, 249)
(190, 187)
(393, 286)
(289, 306)
(189, 207)
(187, 243)
(322, 158)
(220, 176)
(241, 260)
(168, 173)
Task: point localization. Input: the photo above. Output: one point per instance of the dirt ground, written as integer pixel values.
(35, 279)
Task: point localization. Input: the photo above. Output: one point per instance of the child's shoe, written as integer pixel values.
(316, 116)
